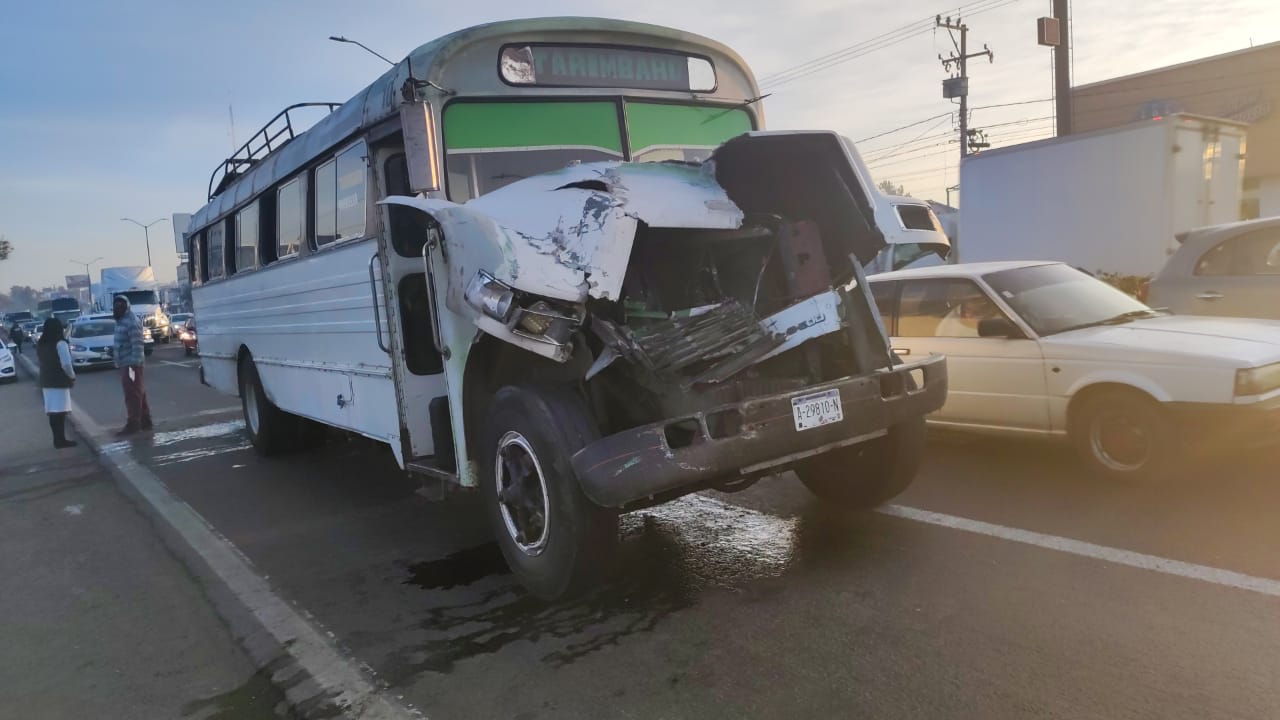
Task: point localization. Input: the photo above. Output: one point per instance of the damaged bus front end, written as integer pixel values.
(686, 326)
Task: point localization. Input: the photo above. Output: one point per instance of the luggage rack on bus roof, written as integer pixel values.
(260, 145)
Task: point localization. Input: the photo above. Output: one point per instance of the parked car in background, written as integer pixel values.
(33, 329)
(190, 341)
(178, 323)
(1227, 270)
(7, 372)
(1038, 348)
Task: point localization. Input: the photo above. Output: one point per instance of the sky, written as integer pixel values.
(121, 109)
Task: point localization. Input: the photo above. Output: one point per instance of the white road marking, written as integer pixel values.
(73, 509)
(269, 624)
(186, 363)
(1155, 563)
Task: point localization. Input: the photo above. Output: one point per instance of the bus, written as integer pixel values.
(65, 309)
(561, 262)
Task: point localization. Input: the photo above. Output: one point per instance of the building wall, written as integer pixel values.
(1242, 86)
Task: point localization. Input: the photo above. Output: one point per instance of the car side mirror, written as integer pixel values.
(999, 327)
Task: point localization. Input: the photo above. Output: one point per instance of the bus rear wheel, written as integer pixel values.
(553, 537)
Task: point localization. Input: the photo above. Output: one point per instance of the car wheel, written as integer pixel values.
(271, 430)
(1124, 435)
(863, 476)
(147, 351)
(187, 350)
(554, 539)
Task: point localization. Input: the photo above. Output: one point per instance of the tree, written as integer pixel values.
(22, 297)
(6, 248)
(888, 188)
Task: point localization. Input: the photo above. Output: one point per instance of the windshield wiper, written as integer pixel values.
(1120, 319)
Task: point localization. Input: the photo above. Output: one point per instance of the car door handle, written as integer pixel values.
(1210, 295)
(901, 351)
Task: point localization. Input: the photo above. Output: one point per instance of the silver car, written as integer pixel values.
(1227, 270)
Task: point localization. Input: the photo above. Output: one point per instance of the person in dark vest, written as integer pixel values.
(17, 335)
(56, 378)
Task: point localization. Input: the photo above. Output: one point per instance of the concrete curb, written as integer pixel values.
(300, 658)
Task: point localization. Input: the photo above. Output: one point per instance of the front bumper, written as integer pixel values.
(1228, 426)
(752, 437)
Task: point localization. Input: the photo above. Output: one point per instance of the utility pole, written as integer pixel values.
(957, 86)
(1055, 32)
(1062, 67)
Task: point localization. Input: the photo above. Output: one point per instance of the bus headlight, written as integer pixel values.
(489, 296)
(543, 323)
(1259, 380)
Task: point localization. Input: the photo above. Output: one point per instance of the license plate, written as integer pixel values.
(816, 410)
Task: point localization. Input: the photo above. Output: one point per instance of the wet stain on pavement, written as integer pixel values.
(461, 568)
(256, 699)
(198, 453)
(200, 432)
(668, 556)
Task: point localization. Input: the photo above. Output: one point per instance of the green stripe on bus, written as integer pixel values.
(684, 125)
(531, 124)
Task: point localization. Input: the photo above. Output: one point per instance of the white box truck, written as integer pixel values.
(138, 283)
(1109, 201)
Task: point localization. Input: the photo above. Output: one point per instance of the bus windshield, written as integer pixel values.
(492, 144)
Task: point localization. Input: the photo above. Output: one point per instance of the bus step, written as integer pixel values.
(436, 482)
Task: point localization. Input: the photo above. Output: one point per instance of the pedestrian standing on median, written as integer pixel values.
(56, 378)
(130, 353)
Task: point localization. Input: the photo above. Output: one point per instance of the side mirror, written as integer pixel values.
(999, 327)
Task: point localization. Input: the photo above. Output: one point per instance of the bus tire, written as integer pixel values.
(271, 430)
(554, 539)
(866, 475)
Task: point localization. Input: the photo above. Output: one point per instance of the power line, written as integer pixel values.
(914, 139)
(879, 42)
(1011, 104)
(900, 129)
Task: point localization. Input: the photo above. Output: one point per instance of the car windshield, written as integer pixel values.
(93, 328)
(1056, 298)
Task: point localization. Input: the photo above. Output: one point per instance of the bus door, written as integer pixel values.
(417, 363)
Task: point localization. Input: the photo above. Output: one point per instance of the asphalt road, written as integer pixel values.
(761, 604)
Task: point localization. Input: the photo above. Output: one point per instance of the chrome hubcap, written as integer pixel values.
(251, 407)
(1120, 442)
(522, 493)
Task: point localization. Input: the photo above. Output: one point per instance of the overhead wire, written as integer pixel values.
(879, 42)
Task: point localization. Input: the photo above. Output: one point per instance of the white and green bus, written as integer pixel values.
(558, 260)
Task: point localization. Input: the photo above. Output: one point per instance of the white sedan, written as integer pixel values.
(7, 372)
(1044, 349)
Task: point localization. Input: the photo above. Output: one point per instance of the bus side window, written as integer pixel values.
(194, 265)
(408, 226)
(215, 266)
(267, 228)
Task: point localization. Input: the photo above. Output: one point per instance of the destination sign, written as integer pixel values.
(597, 66)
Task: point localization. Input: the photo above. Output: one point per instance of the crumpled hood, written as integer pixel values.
(568, 234)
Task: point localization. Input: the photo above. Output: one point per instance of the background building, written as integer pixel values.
(1243, 86)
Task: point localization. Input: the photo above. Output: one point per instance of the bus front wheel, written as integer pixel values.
(271, 430)
(554, 539)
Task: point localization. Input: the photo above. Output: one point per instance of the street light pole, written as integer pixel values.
(88, 275)
(146, 231)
